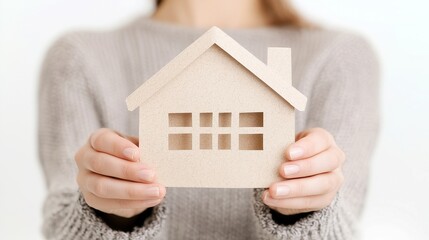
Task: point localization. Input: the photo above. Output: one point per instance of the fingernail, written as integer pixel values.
(153, 191)
(282, 190)
(265, 196)
(146, 175)
(295, 152)
(129, 153)
(267, 199)
(291, 169)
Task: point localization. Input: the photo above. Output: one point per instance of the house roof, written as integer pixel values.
(235, 50)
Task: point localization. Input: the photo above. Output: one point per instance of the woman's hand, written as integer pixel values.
(312, 172)
(111, 177)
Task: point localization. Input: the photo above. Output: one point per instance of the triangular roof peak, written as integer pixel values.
(215, 33)
(216, 36)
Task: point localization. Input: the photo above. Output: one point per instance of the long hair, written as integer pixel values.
(283, 13)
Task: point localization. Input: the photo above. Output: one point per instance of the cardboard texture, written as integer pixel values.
(216, 116)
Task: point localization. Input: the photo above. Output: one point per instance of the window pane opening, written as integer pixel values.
(224, 141)
(251, 119)
(206, 119)
(224, 119)
(251, 142)
(205, 141)
(180, 141)
(180, 119)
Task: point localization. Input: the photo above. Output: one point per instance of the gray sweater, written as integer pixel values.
(86, 77)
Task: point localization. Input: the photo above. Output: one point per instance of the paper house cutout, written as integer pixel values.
(216, 116)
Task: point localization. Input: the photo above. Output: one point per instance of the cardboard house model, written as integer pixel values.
(216, 116)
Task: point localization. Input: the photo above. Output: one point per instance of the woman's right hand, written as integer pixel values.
(111, 177)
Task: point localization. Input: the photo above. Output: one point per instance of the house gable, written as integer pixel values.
(216, 37)
(226, 82)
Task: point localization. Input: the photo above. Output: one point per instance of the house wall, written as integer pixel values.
(215, 83)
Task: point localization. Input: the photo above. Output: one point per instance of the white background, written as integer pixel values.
(398, 203)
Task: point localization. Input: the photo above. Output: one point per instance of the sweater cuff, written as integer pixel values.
(313, 225)
(79, 221)
(150, 228)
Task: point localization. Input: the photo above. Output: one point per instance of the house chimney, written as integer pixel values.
(280, 61)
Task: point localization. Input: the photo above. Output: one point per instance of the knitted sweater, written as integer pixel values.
(86, 77)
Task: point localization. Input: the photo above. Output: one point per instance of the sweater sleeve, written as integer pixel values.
(343, 100)
(67, 116)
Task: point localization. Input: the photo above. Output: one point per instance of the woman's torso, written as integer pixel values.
(117, 62)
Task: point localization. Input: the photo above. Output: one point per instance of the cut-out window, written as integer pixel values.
(224, 141)
(224, 119)
(180, 119)
(251, 119)
(205, 141)
(251, 142)
(211, 127)
(206, 119)
(179, 141)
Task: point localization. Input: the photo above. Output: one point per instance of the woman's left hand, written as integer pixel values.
(312, 174)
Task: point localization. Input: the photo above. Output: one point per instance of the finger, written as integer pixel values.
(110, 142)
(107, 187)
(323, 162)
(303, 187)
(107, 205)
(309, 202)
(81, 153)
(108, 165)
(133, 139)
(309, 143)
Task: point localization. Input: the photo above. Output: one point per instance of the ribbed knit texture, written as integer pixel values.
(87, 76)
